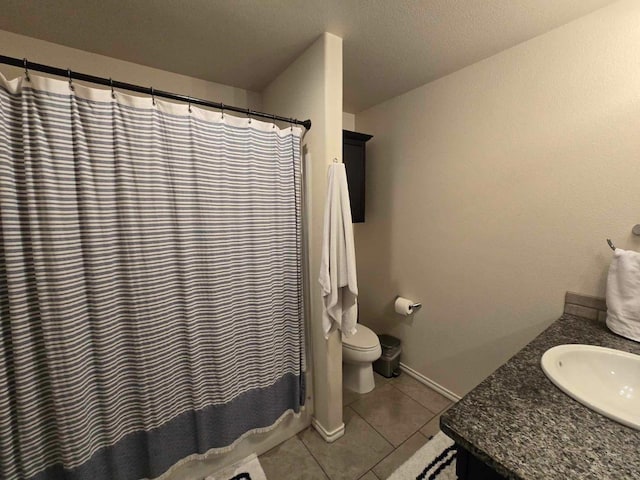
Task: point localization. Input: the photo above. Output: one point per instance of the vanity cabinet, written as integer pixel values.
(469, 467)
(354, 158)
(516, 423)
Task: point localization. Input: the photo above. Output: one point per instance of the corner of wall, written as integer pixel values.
(311, 87)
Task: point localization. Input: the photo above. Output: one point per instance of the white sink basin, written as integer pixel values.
(603, 379)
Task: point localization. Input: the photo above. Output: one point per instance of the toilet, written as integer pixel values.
(359, 351)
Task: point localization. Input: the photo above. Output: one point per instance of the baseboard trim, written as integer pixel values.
(429, 383)
(328, 436)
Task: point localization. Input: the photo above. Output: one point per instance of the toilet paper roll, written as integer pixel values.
(404, 306)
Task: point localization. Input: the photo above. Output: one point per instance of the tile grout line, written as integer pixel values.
(415, 400)
(428, 409)
(393, 451)
(374, 428)
(394, 448)
(440, 412)
(314, 457)
(365, 473)
(380, 433)
(383, 437)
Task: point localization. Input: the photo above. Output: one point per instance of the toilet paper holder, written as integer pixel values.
(404, 306)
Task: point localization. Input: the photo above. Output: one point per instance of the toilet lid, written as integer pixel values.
(363, 339)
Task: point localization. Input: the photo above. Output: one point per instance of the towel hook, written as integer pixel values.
(611, 245)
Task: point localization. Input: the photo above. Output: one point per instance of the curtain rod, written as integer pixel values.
(38, 67)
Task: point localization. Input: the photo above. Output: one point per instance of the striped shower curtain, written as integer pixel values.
(150, 281)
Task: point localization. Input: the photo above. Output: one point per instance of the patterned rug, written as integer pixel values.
(247, 469)
(435, 460)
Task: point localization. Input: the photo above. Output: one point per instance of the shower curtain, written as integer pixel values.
(150, 281)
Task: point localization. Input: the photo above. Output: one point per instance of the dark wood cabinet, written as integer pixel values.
(468, 467)
(354, 158)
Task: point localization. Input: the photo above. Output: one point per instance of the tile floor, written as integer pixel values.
(383, 428)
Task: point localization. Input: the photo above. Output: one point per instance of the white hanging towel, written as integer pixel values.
(338, 261)
(623, 294)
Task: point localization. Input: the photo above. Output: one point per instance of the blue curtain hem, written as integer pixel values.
(148, 454)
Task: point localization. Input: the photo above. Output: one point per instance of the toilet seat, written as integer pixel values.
(364, 340)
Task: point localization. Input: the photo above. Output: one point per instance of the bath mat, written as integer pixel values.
(247, 469)
(435, 460)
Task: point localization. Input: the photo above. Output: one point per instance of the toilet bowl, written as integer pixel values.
(359, 351)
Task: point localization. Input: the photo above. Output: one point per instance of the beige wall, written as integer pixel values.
(39, 51)
(490, 193)
(349, 121)
(312, 88)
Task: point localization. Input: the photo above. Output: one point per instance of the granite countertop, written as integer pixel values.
(524, 427)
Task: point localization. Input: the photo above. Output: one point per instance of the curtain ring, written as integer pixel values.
(70, 79)
(189, 104)
(113, 92)
(274, 121)
(153, 97)
(291, 124)
(26, 69)
(249, 115)
(222, 110)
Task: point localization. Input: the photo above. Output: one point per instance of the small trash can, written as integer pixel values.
(388, 365)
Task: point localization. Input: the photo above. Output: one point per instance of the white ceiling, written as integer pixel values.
(390, 46)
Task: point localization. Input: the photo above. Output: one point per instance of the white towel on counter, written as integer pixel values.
(623, 294)
(338, 261)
